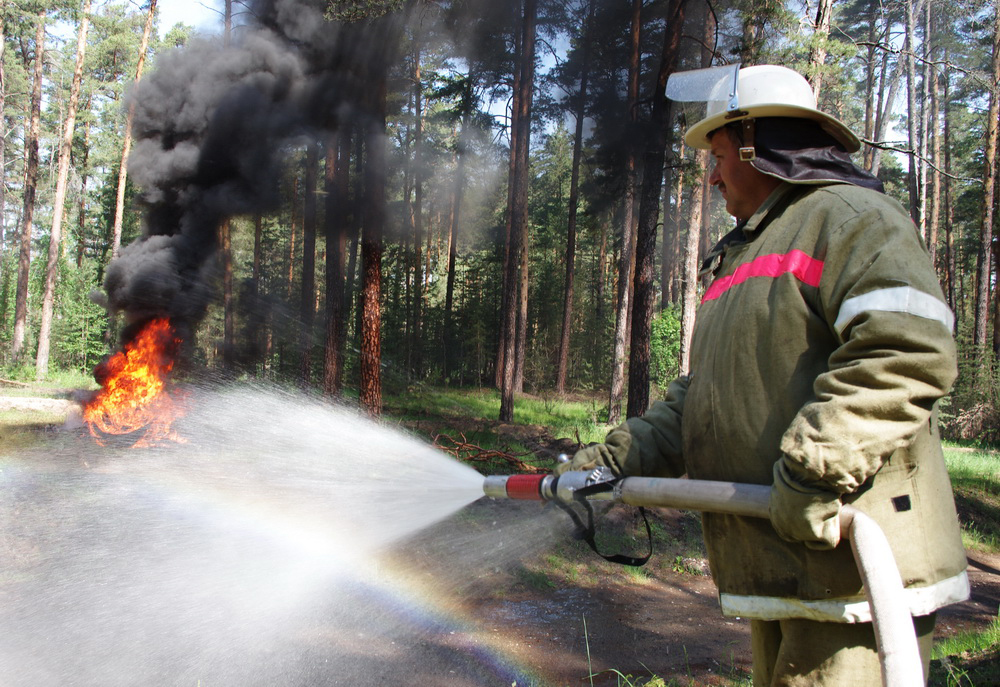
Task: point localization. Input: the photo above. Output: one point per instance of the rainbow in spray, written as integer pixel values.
(282, 545)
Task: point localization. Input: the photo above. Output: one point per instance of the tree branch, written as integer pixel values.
(975, 74)
(908, 151)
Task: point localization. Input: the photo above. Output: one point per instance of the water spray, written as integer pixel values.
(893, 625)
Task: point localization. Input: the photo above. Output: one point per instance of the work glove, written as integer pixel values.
(611, 453)
(803, 513)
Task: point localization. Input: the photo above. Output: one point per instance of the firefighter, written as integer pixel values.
(820, 350)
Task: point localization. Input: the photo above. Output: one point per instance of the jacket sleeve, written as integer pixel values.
(894, 355)
(655, 438)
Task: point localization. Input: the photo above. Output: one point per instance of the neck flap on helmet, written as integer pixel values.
(800, 151)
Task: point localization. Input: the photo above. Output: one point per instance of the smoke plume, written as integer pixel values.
(212, 127)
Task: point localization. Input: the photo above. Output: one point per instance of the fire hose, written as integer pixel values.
(894, 633)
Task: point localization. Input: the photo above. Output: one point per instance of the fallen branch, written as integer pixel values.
(13, 383)
(468, 452)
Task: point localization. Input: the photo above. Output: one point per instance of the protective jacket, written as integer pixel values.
(824, 341)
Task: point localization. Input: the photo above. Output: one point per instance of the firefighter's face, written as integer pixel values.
(742, 185)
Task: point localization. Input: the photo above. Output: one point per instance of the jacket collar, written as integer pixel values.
(747, 231)
(778, 198)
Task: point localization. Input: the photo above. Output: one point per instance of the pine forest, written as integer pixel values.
(365, 196)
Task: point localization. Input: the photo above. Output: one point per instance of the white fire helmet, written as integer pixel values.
(760, 91)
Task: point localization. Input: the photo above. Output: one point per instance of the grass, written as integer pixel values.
(970, 659)
(563, 418)
(56, 379)
(975, 478)
(22, 429)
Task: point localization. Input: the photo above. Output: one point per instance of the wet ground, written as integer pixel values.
(107, 582)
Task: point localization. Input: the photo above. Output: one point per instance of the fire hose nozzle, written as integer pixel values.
(547, 487)
(520, 487)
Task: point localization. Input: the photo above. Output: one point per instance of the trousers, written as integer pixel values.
(801, 653)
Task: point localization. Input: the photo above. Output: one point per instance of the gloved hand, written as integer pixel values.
(804, 514)
(611, 453)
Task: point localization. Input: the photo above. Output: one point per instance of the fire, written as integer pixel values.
(134, 391)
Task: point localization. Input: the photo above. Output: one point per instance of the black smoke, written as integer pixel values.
(213, 126)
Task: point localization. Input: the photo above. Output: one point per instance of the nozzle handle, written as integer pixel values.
(520, 487)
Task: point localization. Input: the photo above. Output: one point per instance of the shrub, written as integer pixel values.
(665, 347)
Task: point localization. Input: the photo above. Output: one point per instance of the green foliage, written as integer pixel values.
(131, 220)
(361, 10)
(79, 327)
(975, 477)
(665, 347)
(972, 413)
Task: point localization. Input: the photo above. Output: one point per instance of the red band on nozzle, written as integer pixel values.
(525, 487)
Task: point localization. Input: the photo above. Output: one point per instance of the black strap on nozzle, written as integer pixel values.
(587, 531)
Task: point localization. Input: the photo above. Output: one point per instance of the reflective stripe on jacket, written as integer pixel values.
(824, 340)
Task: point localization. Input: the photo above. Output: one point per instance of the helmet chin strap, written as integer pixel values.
(747, 151)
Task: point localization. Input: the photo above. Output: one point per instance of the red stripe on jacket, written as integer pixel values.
(804, 268)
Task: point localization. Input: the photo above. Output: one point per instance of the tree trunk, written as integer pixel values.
(3, 133)
(338, 155)
(352, 295)
(116, 229)
(934, 130)
(870, 91)
(886, 99)
(59, 202)
(307, 303)
(523, 288)
(574, 194)
(454, 219)
(418, 217)
(912, 117)
(925, 107)
(672, 224)
(691, 261)
(817, 53)
(507, 292)
(228, 315)
(226, 243)
(950, 258)
(518, 204)
(989, 199)
(81, 216)
(257, 332)
(649, 215)
(293, 225)
(507, 289)
(626, 267)
(983, 270)
(371, 256)
(692, 254)
(30, 187)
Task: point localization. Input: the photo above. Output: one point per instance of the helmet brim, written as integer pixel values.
(697, 135)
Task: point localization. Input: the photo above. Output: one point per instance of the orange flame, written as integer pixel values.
(134, 392)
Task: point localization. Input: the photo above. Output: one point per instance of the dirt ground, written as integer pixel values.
(523, 627)
(667, 624)
(669, 627)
